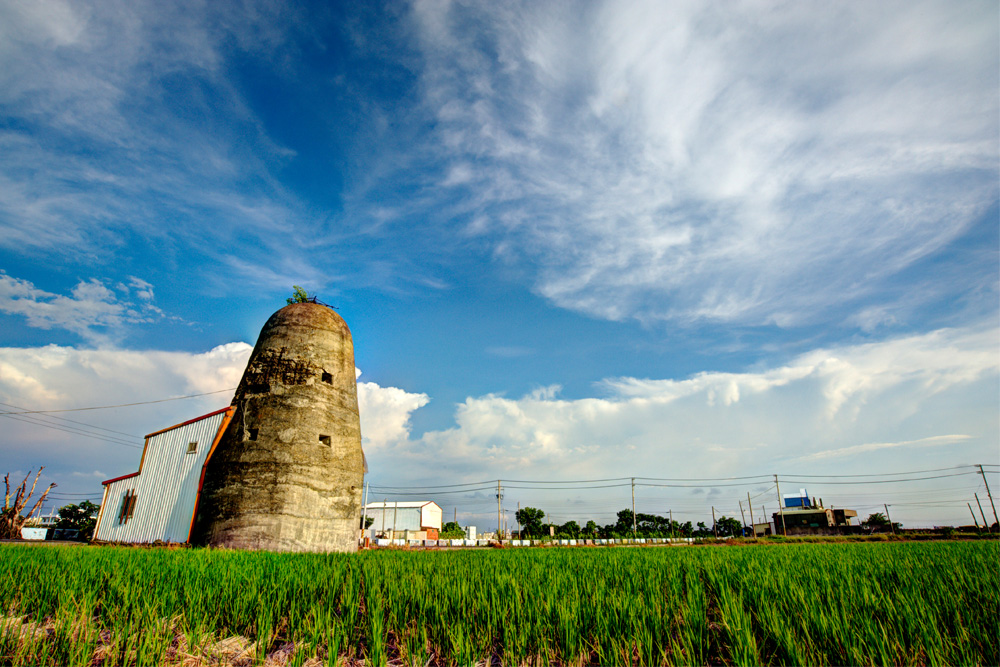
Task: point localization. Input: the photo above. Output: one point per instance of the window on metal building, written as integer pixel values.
(192, 447)
(128, 507)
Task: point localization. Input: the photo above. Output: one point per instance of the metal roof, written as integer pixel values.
(402, 503)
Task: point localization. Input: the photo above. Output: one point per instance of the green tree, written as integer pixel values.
(625, 521)
(299, 295)
(530, 519)
(876, 520)
(728, 526)
(590, 528)
(879, 521)
(571, 529)
(451, 531)
(82, 517)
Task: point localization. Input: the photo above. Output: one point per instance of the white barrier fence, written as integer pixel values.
(384, 542)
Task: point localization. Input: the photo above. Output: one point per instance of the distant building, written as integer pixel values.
(804, 516)
(410, 519)
(158, 502)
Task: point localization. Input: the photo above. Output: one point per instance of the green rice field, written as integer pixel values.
(910, 603)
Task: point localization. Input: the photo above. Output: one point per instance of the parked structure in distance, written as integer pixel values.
(411, 520)
(802, 516)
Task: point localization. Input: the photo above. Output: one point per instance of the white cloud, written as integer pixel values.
(385, 415)
(852, 409)
(846, 410)
(91, 310)
(932, 441)
(755, 163)
(59, 377)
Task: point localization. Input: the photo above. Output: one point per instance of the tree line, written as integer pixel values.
(533, 525)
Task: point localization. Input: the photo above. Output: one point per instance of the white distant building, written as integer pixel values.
(413, 519)
(159, 502)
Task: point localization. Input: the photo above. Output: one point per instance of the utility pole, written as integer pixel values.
(395, 507)
(714, 528)
(671, 512)
(891, 528)
(744, 516)
(781, 509)
(385, 505)
(985, 523)
(974, 520)
(633, 508)
(990, 495)
(518, 519)
(365, 509)
(499, 513)
(753, 526)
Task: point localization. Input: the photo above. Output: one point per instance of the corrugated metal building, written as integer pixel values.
(158, 503)
(414, 515)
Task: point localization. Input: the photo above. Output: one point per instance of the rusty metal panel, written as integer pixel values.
(166, 488)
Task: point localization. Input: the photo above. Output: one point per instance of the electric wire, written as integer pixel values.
(892, 481)
(883, 474)
(66, 429)
(73, 421)
(120, 405)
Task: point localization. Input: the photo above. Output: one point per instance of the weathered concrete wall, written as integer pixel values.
(287, 474)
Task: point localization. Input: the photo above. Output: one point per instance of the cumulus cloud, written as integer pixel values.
(385, 414)
(850, 408)
(752, 164)
(91, 310)
(57, 377)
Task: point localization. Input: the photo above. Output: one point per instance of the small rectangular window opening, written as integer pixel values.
(327, 378)
(128, 507)
(192, 447)
(324, 440)
(252, 433)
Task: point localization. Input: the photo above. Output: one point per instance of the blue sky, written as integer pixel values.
(571, 240)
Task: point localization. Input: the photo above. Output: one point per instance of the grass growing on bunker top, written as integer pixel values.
(899, 603)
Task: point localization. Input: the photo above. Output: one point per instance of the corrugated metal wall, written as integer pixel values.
(431, 516)
(407, 518)
(165, 489)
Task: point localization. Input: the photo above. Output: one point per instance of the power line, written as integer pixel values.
(889, 481)
(884, 474)
(570, 481)
(565, 488)
(695, 486)
(442, 486)
(120, 405)
(70, 429)
(73, 421)
(437, 493)
(703, 479)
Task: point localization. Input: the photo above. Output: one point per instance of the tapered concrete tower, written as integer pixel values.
(287, 473)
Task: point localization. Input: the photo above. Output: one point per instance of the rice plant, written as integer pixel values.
(824, 604)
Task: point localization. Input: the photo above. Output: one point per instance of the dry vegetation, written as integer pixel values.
(12, 518)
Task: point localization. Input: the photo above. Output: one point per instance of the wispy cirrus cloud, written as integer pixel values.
(931, 441)
(753, 164)
(125, 124)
